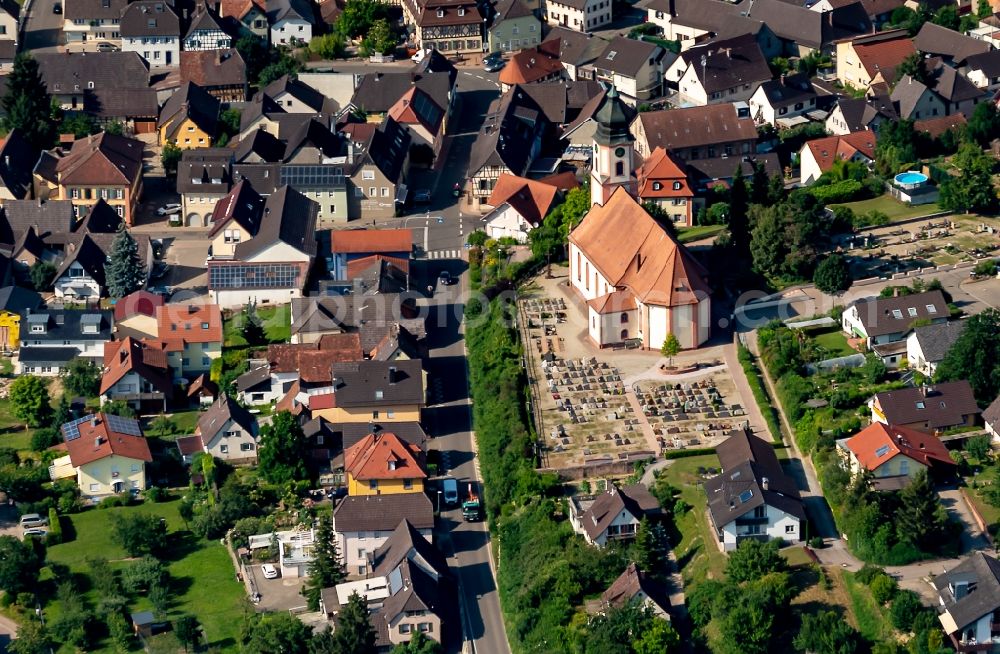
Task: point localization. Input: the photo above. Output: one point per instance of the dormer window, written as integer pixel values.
(657, 186)
(440, 13)
(461, 11)
(677, 186)
(378, 395)
(151, 22)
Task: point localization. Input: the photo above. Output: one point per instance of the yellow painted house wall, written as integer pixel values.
(188, 136)
(384, 486)
(10, 329)
(401, 413)
(100, 472)
(893, 467)
(220, 248)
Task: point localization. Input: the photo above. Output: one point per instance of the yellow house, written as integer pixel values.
(235, 220)
(384, 464)
(189, 118)
(14, 300)
(107, 454)
(367, 391)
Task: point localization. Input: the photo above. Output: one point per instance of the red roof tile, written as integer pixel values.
(98, 441)
(384, 456)
(878, 443)
(371, 241)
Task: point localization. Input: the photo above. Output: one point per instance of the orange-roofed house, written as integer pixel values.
(191, 335)
(872, 58)
(136, 313)
(663, 182)
(107, 454)
(426, 118)
(818, 156)
(520, 204)
(137, 373)
(349, 245)
(384, 464)
(639, 283)
(537, 64)
(893, 455)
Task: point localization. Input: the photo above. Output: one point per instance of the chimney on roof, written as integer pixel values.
(925, 390)
(392, 374)
(93, 420)
(729, 53)
(122, 355)
(218, 57)
(97, 442)
(765, 483)
(895, 291)
(638, 261)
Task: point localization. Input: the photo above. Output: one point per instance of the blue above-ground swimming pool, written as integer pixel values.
(910, 179)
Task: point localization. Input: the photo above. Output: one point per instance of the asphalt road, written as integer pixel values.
(43, 29)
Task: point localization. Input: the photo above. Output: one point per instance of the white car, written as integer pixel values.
(168, 209)
(270, 572)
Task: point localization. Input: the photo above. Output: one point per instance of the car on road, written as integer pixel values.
(270, 572)
(450, 487)
(104, 46)
(57, 8)
(445, 278)
(29, 520)
(492, 64)
(168, 209)
(422, 197)
(37, 532)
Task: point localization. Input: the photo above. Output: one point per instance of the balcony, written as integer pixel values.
(751, 521)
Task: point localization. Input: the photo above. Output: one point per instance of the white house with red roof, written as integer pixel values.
(893, 455)
(417, 110)
(521, 204)
(107, 454)
(347, 246)
(638, 282)
(663, 182)
(818, 156)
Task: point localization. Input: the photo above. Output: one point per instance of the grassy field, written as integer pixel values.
(697, 233)
(833, 341)
(181, 423)
(12, 431)
(871, 621)
(890, 207)
(697, 553)
(277, 325)
(203, 581)
(990, 513)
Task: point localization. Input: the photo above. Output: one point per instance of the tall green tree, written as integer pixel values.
(659, 637)
(170, 158)
(973, 189)
(827, 633)
(739, 206)
(912, 65)
(121, 635)
(28, 104)
(983, 9)
(282, 453)
(984, 124)
(380, 37)
(275, 633)
(29, 400)
(753, 559)
(124, 271)
(326, 568)
(138, 533)
(188, 632)
(31, 639)
(42, 274)
(19, 566)
(253, 327)
(355, 632)
(833, 275)
(896, 147)
(358, 17)
(746, 629)
(920, 519)
(81, 378)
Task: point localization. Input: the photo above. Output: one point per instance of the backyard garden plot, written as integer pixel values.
(694, 414)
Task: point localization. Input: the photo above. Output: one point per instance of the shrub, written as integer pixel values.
(868, 573)
(883, 588)
(110, 502)
(816, 543)
(842, 191)
(905, 609)
(156, 494)
(54, 536)
(987, 267)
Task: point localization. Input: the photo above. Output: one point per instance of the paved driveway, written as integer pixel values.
(279, 594)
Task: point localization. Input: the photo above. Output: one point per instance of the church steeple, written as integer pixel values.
(612, 156)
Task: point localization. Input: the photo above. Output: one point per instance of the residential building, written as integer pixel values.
(51, 338)
(204, 177)
(635, 585)
(451, 27)
(983, 70)
(705, 174)
(289, 366)
(514, 26)
(613, 515)
(633, 68)
(99, 167)
(723, 71)
(384, 464)
(969, 603)
(136, 314)
(190, 118)
(249, 14)
(576, 50)
(893, 456)
(888, 319)
(872, 58)
(365, 391)
(520, 204)
(930, 409)
(991, 419)
(612, 154)
(264, 258)
(695, 132)
(81, 274)
(818, 155)
(192, 336)
(256, 388)
(349, 246)
(690, 21)
(291, 21)
(580, 15)
(364, 523)
(926, 346)
(425, 120)
(663, 182)
(508, 142)
(783, 102)
(639, 284)
(377, 93)
(860, 114)
(536, 64)
(137, 373)
(222, 73)
(753, 498)
(89, 22)
(229, 432)
(14, 301)
(15, 170)
(295, 549)
(935, 128)
(915, 100)
(377, 181)
(10, 16)
(291, 95)
(152, 29)
(107, 455)
(804, 31)
(954, 47)
(206, 31)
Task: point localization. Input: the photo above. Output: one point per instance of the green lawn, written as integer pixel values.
(833, 341)
(990, 513)
(697, 552)
(181, 423)
(698, 232)
(890, 207)
(871, 620)
(12, 431)
(277, 325)
(202, 577)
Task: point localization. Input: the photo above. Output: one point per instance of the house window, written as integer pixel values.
(407, 484)
(367, 173)
(390, 414)
(372, 192)
(425, 627)
(624, 317)
(657, 186)
(375, 415)
(619, 168)
(385, 191)
(373, 484)
(677, 186)
(224, 448)
(359, 192)
(405, 628)
(246, 447)
(94, 488)
(789, 529)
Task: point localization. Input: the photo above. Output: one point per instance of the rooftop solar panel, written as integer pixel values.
(71, 430)
(123, 425)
